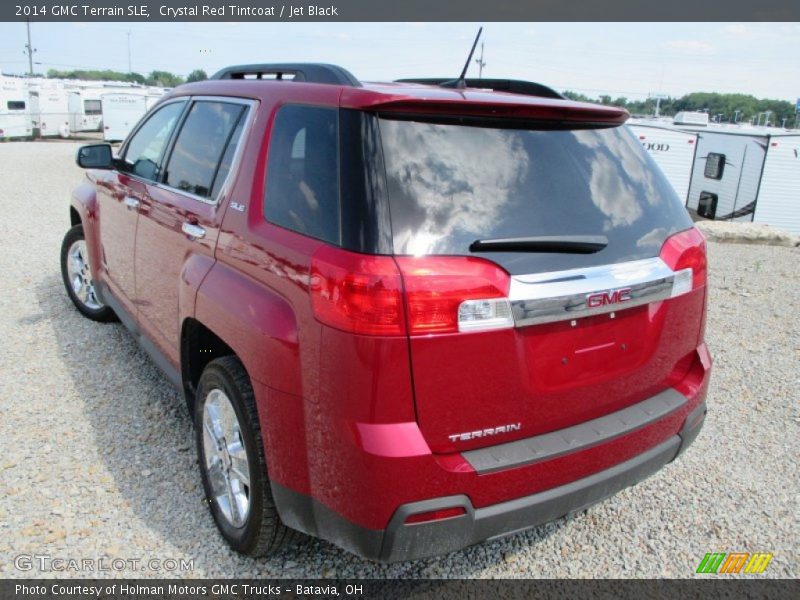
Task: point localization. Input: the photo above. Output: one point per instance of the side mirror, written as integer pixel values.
(95, 156)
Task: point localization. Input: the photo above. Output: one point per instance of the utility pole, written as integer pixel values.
(659, 97)
(29, 49)
(481, 64)
(130, 70)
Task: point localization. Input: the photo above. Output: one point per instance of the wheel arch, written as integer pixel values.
(199, 346)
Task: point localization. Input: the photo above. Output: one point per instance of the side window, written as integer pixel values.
(92, 107)
(200, 145)
(227, 158)
(15, 105)
(144, 151)
(302, 191)
(715, 165)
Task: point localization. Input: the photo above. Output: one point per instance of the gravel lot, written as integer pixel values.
(97, 459)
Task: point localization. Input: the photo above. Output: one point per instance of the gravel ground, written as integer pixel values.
(97, 460)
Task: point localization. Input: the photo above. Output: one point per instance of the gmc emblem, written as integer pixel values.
(604, 298)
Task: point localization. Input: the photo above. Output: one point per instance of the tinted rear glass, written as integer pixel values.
(450, 185)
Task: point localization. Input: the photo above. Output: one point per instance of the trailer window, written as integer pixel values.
(15, 105)
(707, 205)
(92, 107)
(200, 146)
(715, 165)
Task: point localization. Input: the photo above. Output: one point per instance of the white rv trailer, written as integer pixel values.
(779, 192)
(726, 174)
(122, 110)
(15, 118)
(672, 149)
(49, 107)
(85, 109)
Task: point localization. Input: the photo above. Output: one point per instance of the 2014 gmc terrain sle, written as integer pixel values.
(407, 317)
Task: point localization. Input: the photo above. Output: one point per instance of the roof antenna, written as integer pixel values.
(461, 82)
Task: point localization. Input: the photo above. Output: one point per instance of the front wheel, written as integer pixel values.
(232, 461)
(77, 275)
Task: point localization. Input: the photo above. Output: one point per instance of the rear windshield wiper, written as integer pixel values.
(567, 244)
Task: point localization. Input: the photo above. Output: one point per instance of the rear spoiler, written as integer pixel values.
(512, 86)
(443, 103)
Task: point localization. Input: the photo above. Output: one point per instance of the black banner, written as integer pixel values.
(407, 10)
(606, 589)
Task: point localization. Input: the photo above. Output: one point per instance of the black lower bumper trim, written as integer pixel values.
(401, 541)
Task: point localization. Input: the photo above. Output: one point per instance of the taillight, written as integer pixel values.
(449, 294)
(685, 253)
(382, 295)
(356, 292)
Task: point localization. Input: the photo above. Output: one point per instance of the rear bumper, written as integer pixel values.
(402, 541)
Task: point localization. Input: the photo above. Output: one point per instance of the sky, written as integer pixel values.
(619, 59)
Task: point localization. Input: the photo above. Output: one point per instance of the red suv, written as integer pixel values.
(407, 317)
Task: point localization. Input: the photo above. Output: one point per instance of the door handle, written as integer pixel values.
(195, 232)
(132, 203)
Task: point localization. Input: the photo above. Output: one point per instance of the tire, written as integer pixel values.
(244, 511)
(77, 276)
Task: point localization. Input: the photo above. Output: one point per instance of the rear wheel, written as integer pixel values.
(77, 275)
(232, 461)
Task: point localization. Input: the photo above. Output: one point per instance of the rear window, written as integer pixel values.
(92, 107)
(450, 185)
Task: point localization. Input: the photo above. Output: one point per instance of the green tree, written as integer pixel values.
(163, 79)
(96, 75)
(197, 75)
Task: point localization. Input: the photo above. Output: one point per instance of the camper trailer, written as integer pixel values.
(15, 118)
(726, 174)
(122, 110)
(85, 109)
(747, 174)
(672, 149)
(49, 108)
(779, 190)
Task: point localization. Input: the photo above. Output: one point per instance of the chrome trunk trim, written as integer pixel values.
(575, 293)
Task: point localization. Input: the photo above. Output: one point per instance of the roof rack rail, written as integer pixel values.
(514, 86)
(308, 72)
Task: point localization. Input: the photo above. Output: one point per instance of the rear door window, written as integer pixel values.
(302, 191)
(450, 185)
(92, 107)
(143, 154)
(194, 163)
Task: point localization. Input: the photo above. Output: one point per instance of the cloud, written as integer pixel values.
(737, 29)
(690, 47)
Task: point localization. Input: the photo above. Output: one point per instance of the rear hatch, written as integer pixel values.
(548, 242)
